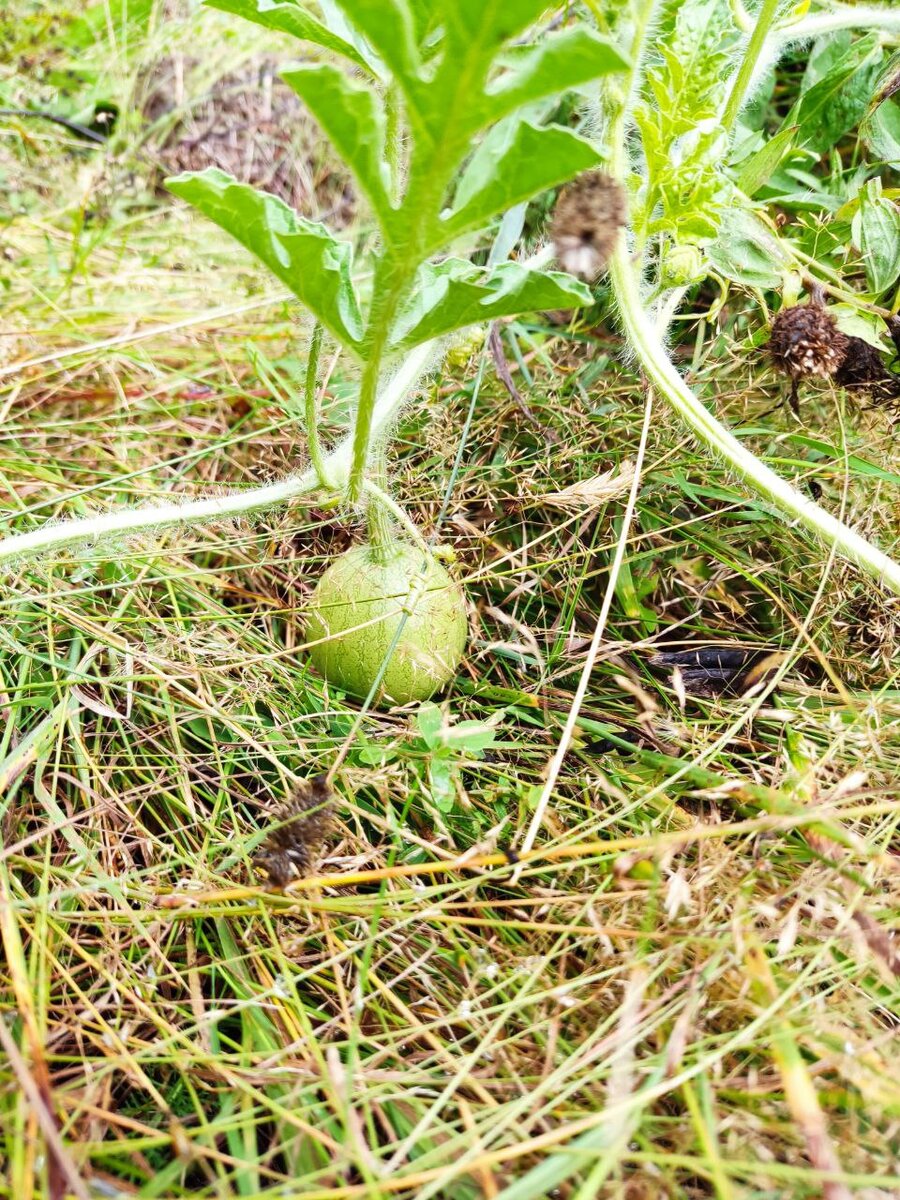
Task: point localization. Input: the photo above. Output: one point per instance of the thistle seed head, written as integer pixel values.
(589, 216)
(805, 341)
(298, 829)
(862, 370)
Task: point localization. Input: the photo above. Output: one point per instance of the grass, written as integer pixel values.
(687, 991)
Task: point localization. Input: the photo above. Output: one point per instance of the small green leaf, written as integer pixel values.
(471, 737)
(516, 161)
(556, 64)
(441, 774)
(758, 168)
(289, 16)
(876, 231)
(746, 251)
(857, 323)
(430, 721)
(456, 293)
(302, 254)
(354, 121)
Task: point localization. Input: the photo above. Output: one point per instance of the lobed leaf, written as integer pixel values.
(487, 24)
(389, 28)
(556, 64)
(474, 32)
(515, 161)
(456, 293)
(302, 254)
(289, 16)
(353, 119)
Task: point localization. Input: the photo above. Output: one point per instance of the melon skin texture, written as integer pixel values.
(357, 606)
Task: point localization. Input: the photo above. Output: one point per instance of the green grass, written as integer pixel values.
(690, 1010)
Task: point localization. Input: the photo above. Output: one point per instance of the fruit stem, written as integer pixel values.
(383, 499)
(379, 515)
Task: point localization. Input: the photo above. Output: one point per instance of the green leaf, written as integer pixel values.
(746, 251)
(354, 121)
(430, 720)
(556, 64)
(857, 323)
(876, 231)
(471, 737)
(515, 161)
(289, 16)
(756, 171)
(837, 102)
(441, 776)
(881, 133)
(456, 293)
(388, 27)
(489, 23)
(302, 254)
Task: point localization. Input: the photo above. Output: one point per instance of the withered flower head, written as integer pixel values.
(863, 371)
(298, 829)
(589, 216)
(806, 341)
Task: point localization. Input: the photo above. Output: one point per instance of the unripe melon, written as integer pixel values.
(357, 607)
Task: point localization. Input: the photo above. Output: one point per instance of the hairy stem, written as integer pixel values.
(362, 429)
(841, 17)
(386, 500)
(312, 408)
(390, 284)
(761, 29)
(379, 516)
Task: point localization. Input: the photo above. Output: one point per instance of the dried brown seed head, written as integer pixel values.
(893, 324)
(589, 216)
(862, 370)
(806, 341)
(299, 828)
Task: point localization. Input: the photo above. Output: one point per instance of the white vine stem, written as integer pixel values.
(660, 370)
(129, 521)
(840, 17)
(647, 343)
(643, 337)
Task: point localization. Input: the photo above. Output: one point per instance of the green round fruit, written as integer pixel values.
(356, 609)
